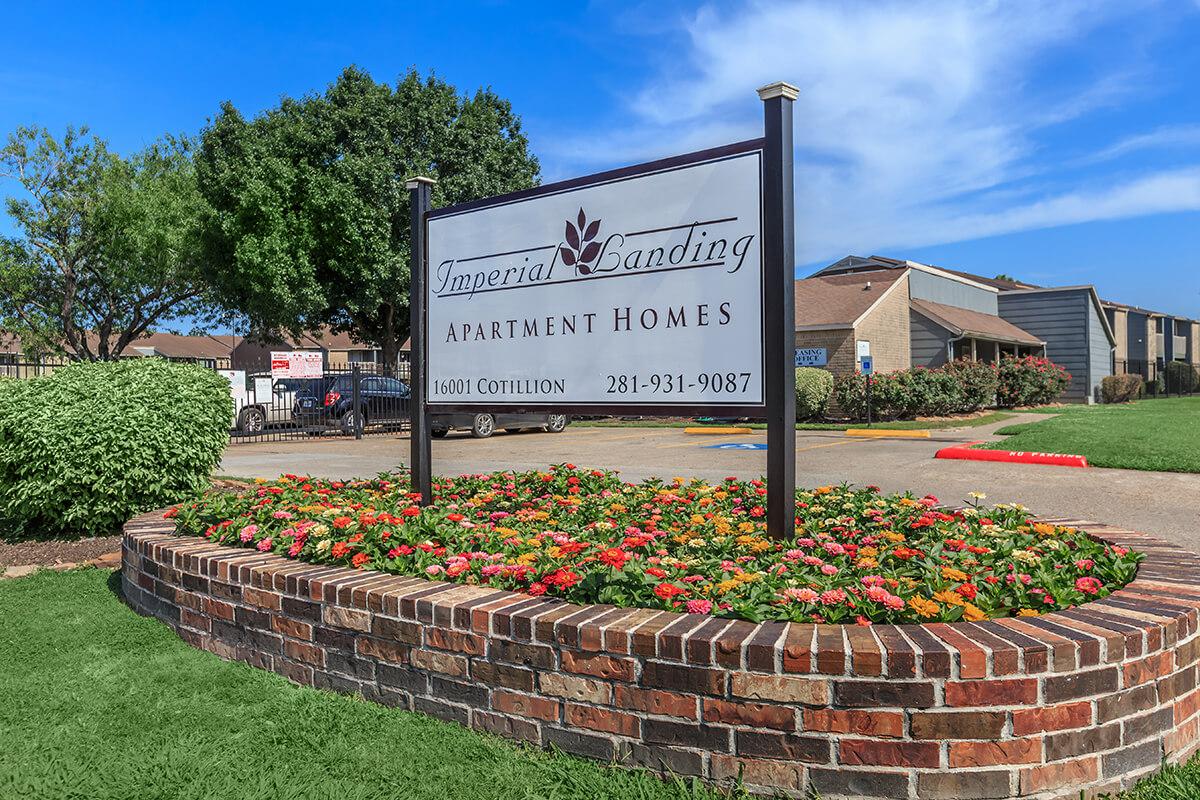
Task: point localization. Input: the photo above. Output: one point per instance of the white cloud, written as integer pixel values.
(1167, 136)
(917, 122)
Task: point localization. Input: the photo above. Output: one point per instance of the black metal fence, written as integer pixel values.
(351, 400)
(1162, 379)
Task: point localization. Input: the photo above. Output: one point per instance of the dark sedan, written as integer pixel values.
(329, 402)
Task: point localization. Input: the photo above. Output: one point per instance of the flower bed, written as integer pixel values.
(587, 537)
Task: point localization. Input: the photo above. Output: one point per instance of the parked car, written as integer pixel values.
(484, 425)
(259, 413)
(329, 403)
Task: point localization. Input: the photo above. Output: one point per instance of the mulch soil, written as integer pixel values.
(56, 551)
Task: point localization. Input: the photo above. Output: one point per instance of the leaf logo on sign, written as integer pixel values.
(581, 248)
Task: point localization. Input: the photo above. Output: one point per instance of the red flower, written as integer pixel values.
(968, 590)
(668, 590)
(455, 517)
(536, 589)
(411, 511)
(614, 557)
(360, 559)
(656, 572)
(342, 522)
(340, 549)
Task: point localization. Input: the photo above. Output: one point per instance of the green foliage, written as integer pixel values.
(107, 247)
(1030, 381)
(1121, 388)
(813, 388)
(311, 221)
(1180, 377)
(977, 381)
(87, 447)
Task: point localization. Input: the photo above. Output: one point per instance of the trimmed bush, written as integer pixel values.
(813, 388)
(87, 447)
(932, 392)
(977, 381)
(1120, 388)
(1030, 381)
(1180, 377)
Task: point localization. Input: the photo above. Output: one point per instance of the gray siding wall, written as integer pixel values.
(1060, 319)
(1136, 343)
(1099, 348)
(936, 289)
(928, 341)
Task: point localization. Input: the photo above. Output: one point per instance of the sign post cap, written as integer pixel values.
(779, 89)
(414, 182)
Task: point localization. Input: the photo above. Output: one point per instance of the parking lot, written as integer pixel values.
(1162, 503)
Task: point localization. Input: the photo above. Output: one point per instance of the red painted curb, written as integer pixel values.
(965, 453)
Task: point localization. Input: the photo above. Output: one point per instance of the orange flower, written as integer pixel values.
(923, 607)
(971, 613)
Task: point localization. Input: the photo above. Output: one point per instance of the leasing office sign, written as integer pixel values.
(641, 287)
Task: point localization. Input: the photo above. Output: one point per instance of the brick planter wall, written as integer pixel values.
(1090, 698)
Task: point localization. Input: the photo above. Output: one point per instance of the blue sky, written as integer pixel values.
(1056, 141)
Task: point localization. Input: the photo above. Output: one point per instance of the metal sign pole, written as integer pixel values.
(779, 259)
(418, 432)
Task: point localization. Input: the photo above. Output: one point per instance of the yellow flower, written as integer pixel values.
(977, 495)
(949, 598)
(1025, 556)
(823, 490)
(554, 552)
(973, 614)
(324, 545)
(892, 536)
(617, 508)
(527, 558)
(952, 574)
(1044, 529)
(866, 563)
(726, 586)
(747, 577)
(1027, 612)
(868, 552)
(923, 607)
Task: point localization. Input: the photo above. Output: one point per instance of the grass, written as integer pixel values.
(101, 703)
(1161, 435)
(894, 425)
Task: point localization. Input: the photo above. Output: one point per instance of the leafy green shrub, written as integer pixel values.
(1030, 381)
(813, 388)
(932, 392)
(87, 447)
(1181, 377)
(977, 380)
(1120, 388)
(891, 395)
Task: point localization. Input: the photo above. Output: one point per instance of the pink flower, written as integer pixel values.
(829, 569)
(434, 569)
(457, 568)
(699, 606)
(832, 597)
(265, 545)
(1088, 585)
(872, 580)
(296, 547)
(800, 595)
(248, 533)
(282, 514)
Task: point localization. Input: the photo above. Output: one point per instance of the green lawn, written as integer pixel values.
(1149, 434)
(97, 702)
(897, 425)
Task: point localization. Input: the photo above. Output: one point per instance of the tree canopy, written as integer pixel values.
(311, 215)
(107, 247)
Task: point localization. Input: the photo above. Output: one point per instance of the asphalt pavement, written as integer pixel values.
(1165, 504)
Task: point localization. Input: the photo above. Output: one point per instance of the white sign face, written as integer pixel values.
(811, 357)
(863, 348)
(639, 289)
(262, 390)
(297, 364)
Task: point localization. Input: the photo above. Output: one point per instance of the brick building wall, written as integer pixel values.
(1120, 326)
(887, 329)
(1088, 699)
(839, 346)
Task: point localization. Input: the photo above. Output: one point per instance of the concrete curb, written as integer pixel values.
(964, 452)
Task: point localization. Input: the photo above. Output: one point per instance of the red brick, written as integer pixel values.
(261, 598)
(753, 715)
(1015, 692)
(798, 648)
(1051, 718)
(594, 718)
(599, 666)
(880, 724)
(220, 610)
(383, 649)
(292, 628)
(990, 754)
(654, 701)
(865, 752)
(439, 662)
(456, 641)
(525, 705)
(347, 618)
(1148, 669)
(302, 651)
(1069, 774)
(702, 680)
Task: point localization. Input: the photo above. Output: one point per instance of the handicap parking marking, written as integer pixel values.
(736, 446)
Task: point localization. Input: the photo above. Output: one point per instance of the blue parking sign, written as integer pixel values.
(866, 366)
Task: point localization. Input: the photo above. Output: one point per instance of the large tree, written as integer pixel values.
(107, 248)
(311, 223)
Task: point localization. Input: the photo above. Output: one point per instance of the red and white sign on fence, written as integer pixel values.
(297, 364)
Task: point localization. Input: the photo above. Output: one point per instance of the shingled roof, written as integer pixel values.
(838, 301)
(965, 322)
